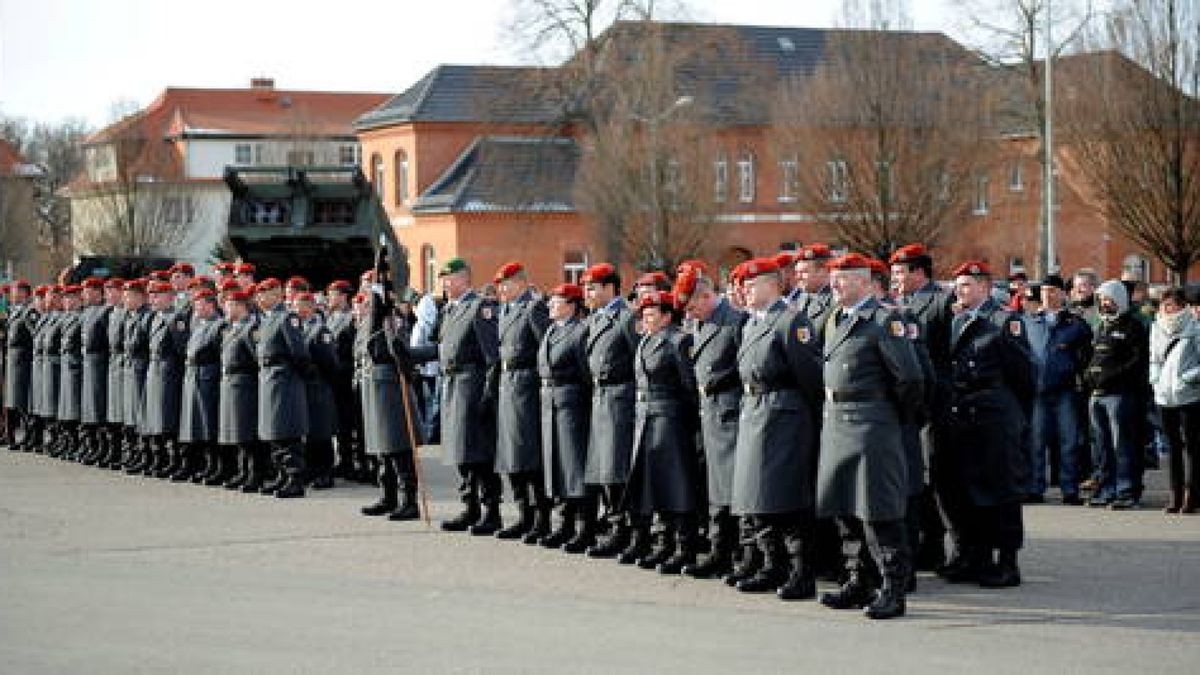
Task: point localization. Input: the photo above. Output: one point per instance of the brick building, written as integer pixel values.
(468, 163)
(26, 249)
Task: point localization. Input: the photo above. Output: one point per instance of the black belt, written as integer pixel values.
(720, 386)
(273, 361)
(854, 395)
(759, 389)
(561, 382)
(659, 395)
(196, 364)
(610, 381)
(975, 386)
(508, 366)
(456, 368)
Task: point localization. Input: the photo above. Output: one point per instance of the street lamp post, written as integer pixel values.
(652, 124)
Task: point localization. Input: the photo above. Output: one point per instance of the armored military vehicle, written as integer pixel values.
(322, 222)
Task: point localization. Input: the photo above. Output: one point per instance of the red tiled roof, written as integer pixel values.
(253, 112)
(9, 157)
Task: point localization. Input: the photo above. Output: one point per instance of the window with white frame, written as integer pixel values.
(1016, 179)
(721, 179)
(428, 267)
(672, 183)
(300, 157)
(789, 179)
(242, 154)
(838, 180)
(1136, 265)
(885, 177)
(575, 263)
(348, 155)
(177, 210)
(746, 178)
(401, 168)
(378, 174)
(980, 206)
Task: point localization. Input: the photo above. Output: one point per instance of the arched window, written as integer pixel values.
(401, 170)
(377, 174)
(428, 267)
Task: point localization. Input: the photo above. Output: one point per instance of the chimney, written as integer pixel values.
(262, 83)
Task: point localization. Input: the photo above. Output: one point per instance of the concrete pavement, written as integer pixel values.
(105, 573)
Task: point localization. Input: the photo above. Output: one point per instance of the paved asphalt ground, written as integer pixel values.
(105, 573)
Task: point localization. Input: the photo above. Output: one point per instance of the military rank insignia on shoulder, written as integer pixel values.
(327, 338)
(254, 335)
(486, 313)
(803, 334)
(294, 321)
(896, 328)
(914, 331)
(1014, 327)
(180, 325)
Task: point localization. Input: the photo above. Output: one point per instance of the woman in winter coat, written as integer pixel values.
(1175, 376)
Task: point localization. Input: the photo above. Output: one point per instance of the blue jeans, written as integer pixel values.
(1055, 424)
(1114, 431)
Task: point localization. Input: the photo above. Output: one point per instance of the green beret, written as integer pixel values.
(453, 266)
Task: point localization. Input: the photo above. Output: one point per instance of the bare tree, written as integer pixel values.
(17, 216)
(1132, 123)
(885, 139)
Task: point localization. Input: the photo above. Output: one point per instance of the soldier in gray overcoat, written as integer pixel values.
(22, 319)
(93, 397)
(164, 379)
(114, 428)
(523, 321)
(565, 414)
(815, 297)
(468, 352)
(340, 322)
(873, 383)
(282, 408)
(664, 469)
(203, 462)
(138, 317)
(718, 334)
(237, 416)
(779, 365)
(70, 348)
(318, 389)
(37, 374)
(610, 344)
(385, 385)
(51, 337)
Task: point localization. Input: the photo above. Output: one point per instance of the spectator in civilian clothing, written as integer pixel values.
(1115, 377)
(1175, 376)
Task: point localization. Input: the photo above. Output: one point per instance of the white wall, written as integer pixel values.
(208, 158)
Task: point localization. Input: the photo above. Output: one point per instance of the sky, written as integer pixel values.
(78, 58)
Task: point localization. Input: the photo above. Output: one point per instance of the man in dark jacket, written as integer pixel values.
(22, 319)
(1060, 342)
(1116, 376)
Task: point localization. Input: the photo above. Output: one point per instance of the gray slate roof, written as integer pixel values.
(507, 173)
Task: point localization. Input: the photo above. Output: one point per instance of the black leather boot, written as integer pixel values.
(518, 529)
(388, 497)
(490, 522)
(638, 547)
(748, 567)
(541, 524)
(292, 487)
(256, 467)
(684, 554)
(888, 602)
(801, 583)
(614, 543)
(585, 530)
(408, 509)
(964, 567)
(774, 571)
(1004, 573)
(661, 550)
(469, 516)
(853, 594)
(565, 530)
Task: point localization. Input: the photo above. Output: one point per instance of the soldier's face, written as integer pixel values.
(70, 301)
(305, 309)
(91, 296)
(813, 274)
(560, 308)
(1083, 288)
(654, 319)
(112, 296)
(849, 286)
(971, 291)
(160, 301)
(510, 289)
(19, 296)
(906, 280)
(597, 295)
(180, 281)
(1051, 297)
(762, 290)
(204, 308)
(455, 285)
(702, 304)
(134, 300)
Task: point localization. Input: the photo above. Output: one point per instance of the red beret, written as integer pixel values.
(699, 266)
(600, 273)
(56, 289)
(909, 253)
(685, 286)
(229, 285)
(298, 283)
(70, 289)
(340, 286)
(507, 271)
(758, 267)
(183, 268)
(360, 298)
(879, 267)
(268, 284)
(22, 283)
(238, 296)
(93, 282)
(41, 291)
(136, 286)
(973, 268)
(4, 288)
(654, 278)
(159, 275)
(223, 268)
(815, 251)
(244, 268)
(737, 275)
(161, 287)
(568, 291)
(658, 299)
(785, 259)
(204, 294)
(851, 261)
(304, 296)
(115, 282)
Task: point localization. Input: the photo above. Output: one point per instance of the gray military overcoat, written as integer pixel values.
(565, 408)
(318, 380)
(116, 365)
(282, 357)
(137, 360)
(93, 397)
(386, 429)
(237, 416)
(779, 364)
(610, 344)
(469, 355)
(714, 352)
(18, 357)
(164, 373)
(199, 408)
(70, 345)
(518, 422)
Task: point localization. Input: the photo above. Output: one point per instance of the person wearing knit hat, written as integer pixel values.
(201, 459)
(873, 381)
(718, 335)
(1174, 355)
(780, 367)
(1115, 378)
(916, 290)
(610, 351)
(991, 386)
(23, 318)
(523, 322)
